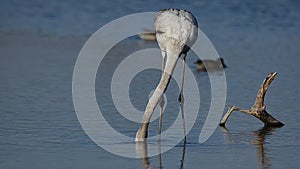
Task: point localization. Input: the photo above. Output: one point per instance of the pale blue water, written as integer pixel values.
(86, 16)
(39, 44)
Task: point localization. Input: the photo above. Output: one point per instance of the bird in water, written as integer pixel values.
(148, 35)
(210, 65)
(176, 31)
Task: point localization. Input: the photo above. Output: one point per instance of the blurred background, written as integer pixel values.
(85, 17)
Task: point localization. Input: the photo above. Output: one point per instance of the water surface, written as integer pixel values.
(39, 45)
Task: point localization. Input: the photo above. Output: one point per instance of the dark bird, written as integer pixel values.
(148, 36)
(210, 65)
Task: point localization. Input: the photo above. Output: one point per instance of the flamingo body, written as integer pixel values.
(176, 28)
(176, 31)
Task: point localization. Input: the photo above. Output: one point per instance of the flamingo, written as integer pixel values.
(176, 31)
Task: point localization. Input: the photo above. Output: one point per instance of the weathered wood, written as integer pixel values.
(258, 109)
(259, 101)
(226, 115)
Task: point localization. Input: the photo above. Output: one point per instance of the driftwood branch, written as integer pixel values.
(258, 109)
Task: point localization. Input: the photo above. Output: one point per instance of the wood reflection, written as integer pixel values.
(258, 139)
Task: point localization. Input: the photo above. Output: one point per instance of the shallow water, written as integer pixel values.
(39, 127)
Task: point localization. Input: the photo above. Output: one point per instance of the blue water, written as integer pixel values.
(85, 17)
(40, 41)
